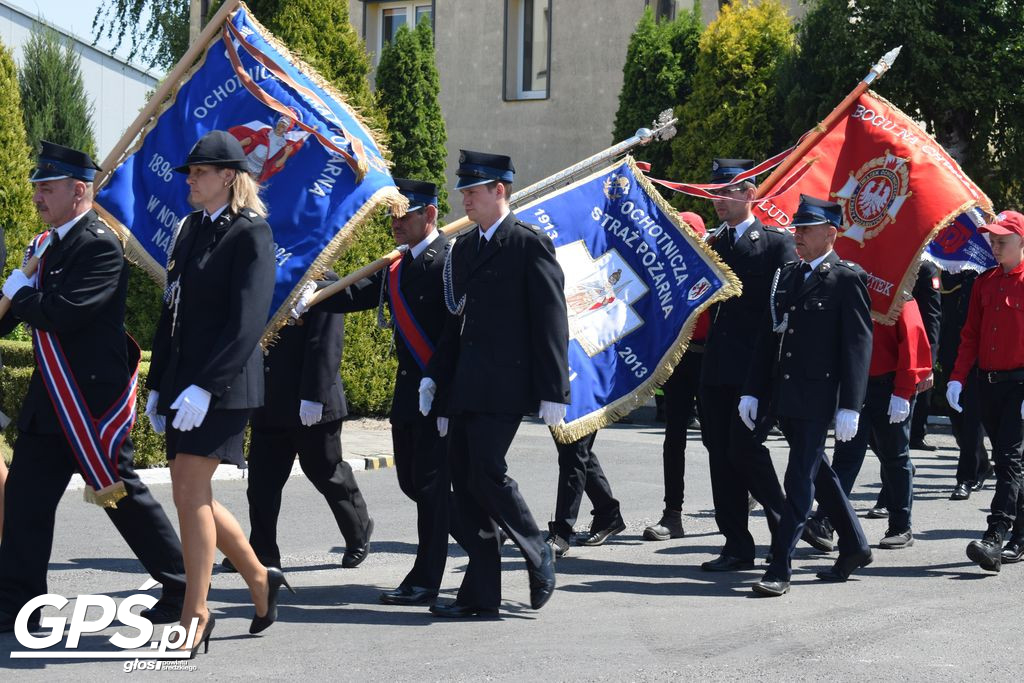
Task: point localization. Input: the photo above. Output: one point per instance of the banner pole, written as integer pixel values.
(818, 131)
(169, 83)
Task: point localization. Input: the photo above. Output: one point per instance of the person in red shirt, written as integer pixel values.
(680, 398)
(900, 359)
(991, 339)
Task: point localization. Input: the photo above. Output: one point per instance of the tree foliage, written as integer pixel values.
(18, 217)
(658, 74)
(53, 97)
(958, 73)
(731, 112)
(408, 88)
(160, 42)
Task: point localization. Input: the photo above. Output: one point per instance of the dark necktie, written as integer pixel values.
(805, 268)
(731, 234)
(481, 242)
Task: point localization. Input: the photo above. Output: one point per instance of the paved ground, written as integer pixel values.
(631, 610)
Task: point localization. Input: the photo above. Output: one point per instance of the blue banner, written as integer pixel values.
(959, 245)
(320, 167)
(636, 279)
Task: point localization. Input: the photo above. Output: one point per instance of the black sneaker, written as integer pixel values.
(818, 534)
(894, 540)
(987, 553)
(669, 526)
(878, 512)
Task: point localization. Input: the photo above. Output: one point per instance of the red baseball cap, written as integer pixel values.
(1007, 223)
(695, 222)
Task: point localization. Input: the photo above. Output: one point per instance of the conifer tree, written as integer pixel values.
(18, 218)
(408, 87)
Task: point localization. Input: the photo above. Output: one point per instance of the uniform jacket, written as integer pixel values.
(734, 323)
(422, 288)
(227, 281)
(509, 349)
(82, 302)
(927, 294)
(303, 366)
(822, 358)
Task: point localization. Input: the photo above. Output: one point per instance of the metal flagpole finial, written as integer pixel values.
(663, 128)
(883, 64)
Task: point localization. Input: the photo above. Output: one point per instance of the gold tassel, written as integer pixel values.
(106, 497)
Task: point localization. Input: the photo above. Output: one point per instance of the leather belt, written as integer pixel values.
(997, 376)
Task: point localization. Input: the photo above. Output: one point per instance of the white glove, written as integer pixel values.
(748, 411)
(157, 421)
(310, 412)
(427, 390)
(442, 426)
(192, 406)
(305, 295)
(899, 409)
(847, 422)
(15, 281)
(953, 390)
(551, 413)
(1022, 410)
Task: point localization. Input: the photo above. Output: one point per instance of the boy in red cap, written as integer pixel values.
(991, 339)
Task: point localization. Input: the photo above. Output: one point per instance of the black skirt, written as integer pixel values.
(220, 436)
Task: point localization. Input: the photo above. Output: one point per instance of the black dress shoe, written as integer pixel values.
(228, 566)
(846, 565)
(818, 534)
(724, 563)
(922, 445)
(453, 610)
(355, 555)
(962, 491)
(409, 595)
(275, 579)
(988, 552)
(983, 477)
(878, 512)
(599, 534)
(165, 611)
(1013, 551)
(771, 587)
(542, 578)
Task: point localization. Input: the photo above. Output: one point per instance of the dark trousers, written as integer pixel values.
(421, 462)
(1000, 413)
(486, 498)
(271, 454)
(808, 475)
(739, 462)
(579, 472)
(969, 434)
(919, 416)
(39, 475)
(680, 393)
(891, 443)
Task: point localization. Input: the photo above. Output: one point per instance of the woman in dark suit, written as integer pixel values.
(206, 372)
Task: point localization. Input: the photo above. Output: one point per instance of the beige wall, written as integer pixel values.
(588, 49)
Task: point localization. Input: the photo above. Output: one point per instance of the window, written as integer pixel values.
(663, 9)
(395, 15)
(527, 49)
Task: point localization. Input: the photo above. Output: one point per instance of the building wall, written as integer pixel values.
(117, 90)
(588, 50)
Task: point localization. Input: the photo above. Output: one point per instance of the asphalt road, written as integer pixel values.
(630, 610)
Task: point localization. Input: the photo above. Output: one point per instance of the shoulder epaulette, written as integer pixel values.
(849, 264)
(776, 229)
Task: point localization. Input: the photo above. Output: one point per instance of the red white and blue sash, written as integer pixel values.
(94, 442)
(412, 334)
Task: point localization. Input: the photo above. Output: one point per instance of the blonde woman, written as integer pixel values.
(206, 374)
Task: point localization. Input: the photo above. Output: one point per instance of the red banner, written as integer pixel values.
(898, 188)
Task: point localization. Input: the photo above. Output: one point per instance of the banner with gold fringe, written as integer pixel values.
(636, 280)
(322, 170)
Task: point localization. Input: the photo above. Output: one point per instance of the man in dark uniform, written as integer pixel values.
(927, 294)
(504, 354)
(80, 303)
(812, 357)
(302, 414)
(738, 460)
(420, 452)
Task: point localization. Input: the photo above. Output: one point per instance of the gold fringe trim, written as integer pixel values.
(106, 497)
(910, 275)
(582, 426)
(386, 196)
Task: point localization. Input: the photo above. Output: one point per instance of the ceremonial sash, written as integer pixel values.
(94, 442)
(412, 334)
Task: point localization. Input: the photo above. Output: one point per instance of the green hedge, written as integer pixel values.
(14, 378)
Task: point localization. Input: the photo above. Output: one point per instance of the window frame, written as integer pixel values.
(513, 30)
(656, 6)
(410, 7)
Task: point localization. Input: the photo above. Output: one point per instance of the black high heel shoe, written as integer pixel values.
(275, 579)
(204, 639)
